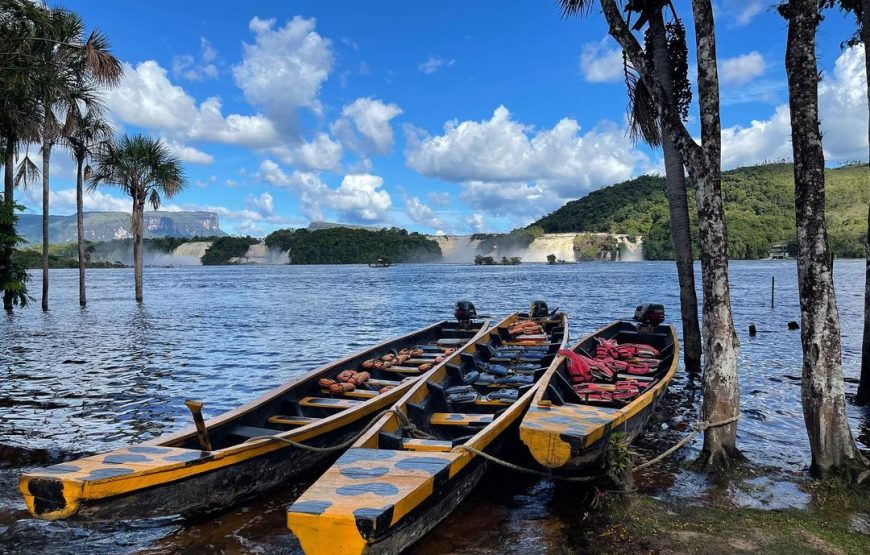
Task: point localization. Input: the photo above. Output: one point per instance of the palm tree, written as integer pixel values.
(824, 401)
(144, 169)
(721, 392)
(84, 133)
(67, 68)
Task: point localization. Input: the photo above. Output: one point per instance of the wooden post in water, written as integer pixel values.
(772, 283)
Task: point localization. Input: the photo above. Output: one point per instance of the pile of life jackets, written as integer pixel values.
(525, 327)
(348, 380)
(597, 379)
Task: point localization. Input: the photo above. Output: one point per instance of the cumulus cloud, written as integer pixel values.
(740, 70)
(843, 113)
(439, 198)
(63, 201)
(364, 126)
(322, 153)
(476, 222)
(359, 197)
(188, 153)
(507, 167)
(433, 64)
(187, 67)
(147, 98)
(748, 12)
(599, 63)
(284, 68)
(422, 214)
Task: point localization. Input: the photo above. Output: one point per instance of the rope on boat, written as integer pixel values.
(341, 446)
(697, 428)
(525, 470)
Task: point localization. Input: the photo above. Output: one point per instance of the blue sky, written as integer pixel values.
(451, 117)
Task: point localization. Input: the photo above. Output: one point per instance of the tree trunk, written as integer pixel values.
(46, 156)
(822, 392)
(138, 207)
(720, 387)
(80, 228)
(678, 205)
(864, 384)
(9, 199)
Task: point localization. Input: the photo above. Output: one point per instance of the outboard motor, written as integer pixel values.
(464, 312)
(650, 315)
(539, 309)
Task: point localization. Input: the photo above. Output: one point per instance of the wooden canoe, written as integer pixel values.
(393, 486)
(171, 474)
(570, 435)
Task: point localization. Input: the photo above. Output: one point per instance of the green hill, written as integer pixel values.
(759, 211)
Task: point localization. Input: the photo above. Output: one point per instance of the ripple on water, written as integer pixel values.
(82, 381)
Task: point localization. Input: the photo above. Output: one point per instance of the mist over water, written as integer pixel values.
(79, 381)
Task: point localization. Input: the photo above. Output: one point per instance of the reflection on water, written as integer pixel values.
(78, 381)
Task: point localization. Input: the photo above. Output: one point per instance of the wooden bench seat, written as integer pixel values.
(249, 432)
(426, 445)
(291, 420)
(382, 383)
(460, 419)
(355, 394)
(327, 403)
(411, 370)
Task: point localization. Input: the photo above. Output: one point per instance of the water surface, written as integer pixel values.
(79, 381)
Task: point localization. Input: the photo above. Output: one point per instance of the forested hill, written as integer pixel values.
(759, 211)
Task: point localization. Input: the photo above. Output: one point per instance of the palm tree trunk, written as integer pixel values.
(46, 156)
(720, 387)
(822, 391)
(8, 198)
(138, 207)
(864, 383)
(80, 228)
(678, 205)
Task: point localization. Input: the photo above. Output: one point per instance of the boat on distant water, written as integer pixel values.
(622, 371)
(412, 469)
(236, 455)
(381, 263)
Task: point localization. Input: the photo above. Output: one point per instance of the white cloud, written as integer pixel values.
(843, 114)
(207, 51)
(359, 197)
(147, 98)
(63, 201)
(601, 64)
(323, 153)
(186, 66)
(433, 64)
(422, 214)
(741, 70)
(188, 153)
(749, 11)
(284, 68)
(364, 126)
(439, 198)
(476, 222)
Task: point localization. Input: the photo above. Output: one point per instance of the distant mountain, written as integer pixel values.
(759, 211)
(104, 226)
(313, 226)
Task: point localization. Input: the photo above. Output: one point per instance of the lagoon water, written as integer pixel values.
(79, 381)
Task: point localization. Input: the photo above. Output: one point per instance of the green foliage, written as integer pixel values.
(13, 274)
(481, 260)
(511, 260)
(593, 247)
(340, 245)
(551, 259)
(224, 248)
(759, 211)
(516, 240)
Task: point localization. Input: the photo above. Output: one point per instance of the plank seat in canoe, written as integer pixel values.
(286, 420)
(410, 370)
(392, 486)
(412, 444)
(173, 475)
(460, 419)
(355, 394)
(328, 403)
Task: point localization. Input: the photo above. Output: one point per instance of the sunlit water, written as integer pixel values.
(79, 381)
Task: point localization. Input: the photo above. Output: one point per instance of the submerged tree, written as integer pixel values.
(822, 391)
(703, 163)
(146, 171)
(13, 276)
(83, 133)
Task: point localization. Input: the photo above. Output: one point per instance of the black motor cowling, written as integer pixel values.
(539, 309)
(464, 311)
(651, 314)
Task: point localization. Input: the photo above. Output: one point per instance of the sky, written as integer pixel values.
(438, 117)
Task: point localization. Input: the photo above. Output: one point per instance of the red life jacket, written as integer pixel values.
(577, 366)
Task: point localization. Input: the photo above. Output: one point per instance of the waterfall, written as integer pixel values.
(560, 244)
(261, 254)
(188, 254)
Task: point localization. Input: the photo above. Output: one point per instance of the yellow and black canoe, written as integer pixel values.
(179, 474)
(411, 469)
(568, 432)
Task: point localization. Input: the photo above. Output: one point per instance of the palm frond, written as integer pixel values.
(571, 8)
(27, 173)
(642, 116)
(105, 68)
